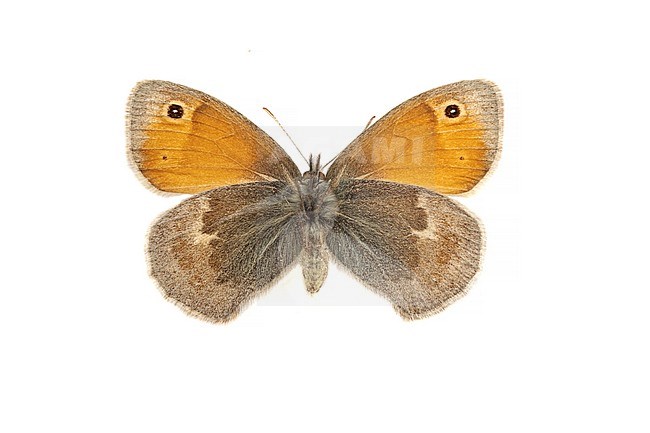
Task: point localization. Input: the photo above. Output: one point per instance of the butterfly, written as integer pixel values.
(379, 211)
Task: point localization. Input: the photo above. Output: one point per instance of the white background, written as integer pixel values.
(553, 335)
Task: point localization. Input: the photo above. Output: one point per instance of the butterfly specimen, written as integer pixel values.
(378, 212)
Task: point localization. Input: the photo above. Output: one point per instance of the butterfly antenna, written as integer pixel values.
(286, 133)
(364, 130)
(330, 161)
(368, 124)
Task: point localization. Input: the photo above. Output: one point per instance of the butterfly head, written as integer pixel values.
(315, 169)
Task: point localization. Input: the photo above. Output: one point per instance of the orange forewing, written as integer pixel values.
(445, 139)
(185, 141)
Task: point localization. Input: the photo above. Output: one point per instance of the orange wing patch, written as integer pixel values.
(185, 141)
(445, 139)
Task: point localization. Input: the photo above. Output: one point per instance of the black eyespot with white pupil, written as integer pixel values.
(175, 111)
(452, 111)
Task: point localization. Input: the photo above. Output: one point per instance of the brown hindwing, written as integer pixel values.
(417, 248)
(215, 252)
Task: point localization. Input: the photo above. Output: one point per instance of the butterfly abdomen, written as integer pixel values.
(318, 208)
